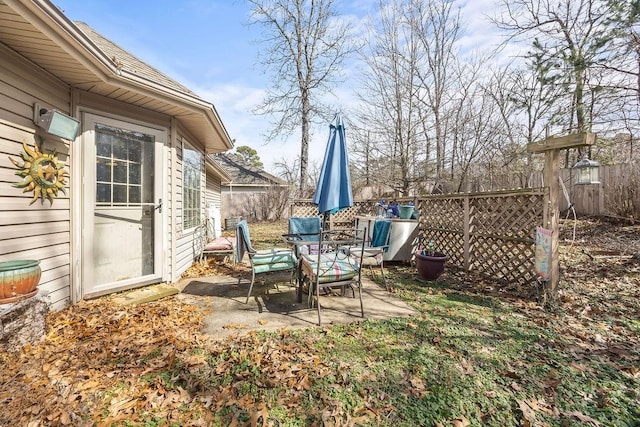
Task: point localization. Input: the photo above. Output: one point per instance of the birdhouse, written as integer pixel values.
(587, 171)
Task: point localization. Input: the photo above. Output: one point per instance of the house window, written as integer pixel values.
(192, 166)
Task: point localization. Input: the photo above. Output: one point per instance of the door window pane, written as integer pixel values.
(103, 170)
(124, 167)
(120, 173)
(103, 193)
(119, 195)
(134, 173)
(134, 195)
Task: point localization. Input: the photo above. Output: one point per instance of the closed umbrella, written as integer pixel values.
(334, 184)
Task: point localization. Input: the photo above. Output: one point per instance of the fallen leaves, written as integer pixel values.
(456, 422)
(581, 417)
(102, 364)
(235, 326)
(531, 407)
(94, 358)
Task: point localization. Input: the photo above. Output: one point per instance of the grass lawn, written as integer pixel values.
(476, 355)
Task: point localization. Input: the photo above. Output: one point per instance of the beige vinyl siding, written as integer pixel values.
(212, 193)
(37, 231)
(170, 270)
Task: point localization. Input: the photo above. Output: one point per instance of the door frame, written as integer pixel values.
(87, 181)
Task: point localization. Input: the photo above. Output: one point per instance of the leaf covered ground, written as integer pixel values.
(474, 356)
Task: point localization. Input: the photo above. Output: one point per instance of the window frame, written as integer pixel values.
(191, 209)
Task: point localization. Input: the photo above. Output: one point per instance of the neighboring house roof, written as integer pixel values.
(81, 58)
(217, 170)
(245, 174)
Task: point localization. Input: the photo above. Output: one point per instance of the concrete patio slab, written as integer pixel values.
(274, 307)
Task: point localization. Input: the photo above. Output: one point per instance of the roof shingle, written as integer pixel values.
(243, 173)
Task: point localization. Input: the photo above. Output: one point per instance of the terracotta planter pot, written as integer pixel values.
(18, 280)
(430, 267)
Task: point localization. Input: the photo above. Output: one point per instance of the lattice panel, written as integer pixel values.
(342, 219)
(510, 262)
(304, 208)
(502, 236)
(449, 242)
(511, 215)
(346, 217)
(442, 213)
(499, 232)
(442, 221)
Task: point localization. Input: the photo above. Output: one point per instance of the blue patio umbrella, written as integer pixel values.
(334, 184)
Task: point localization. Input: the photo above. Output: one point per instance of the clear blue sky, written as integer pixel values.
(208, 46)
(199, 42)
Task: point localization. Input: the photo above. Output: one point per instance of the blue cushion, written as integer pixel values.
(380, 232)
(305, 225)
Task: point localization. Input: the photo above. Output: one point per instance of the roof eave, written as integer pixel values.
(54, 24)
(217, 170)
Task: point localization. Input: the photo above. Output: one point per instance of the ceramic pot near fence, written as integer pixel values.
(18, 280)
(430, 267)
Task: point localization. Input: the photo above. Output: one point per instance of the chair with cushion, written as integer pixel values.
(307, 229)
(206, 244)
(373, 251)
(262, 261)
(331, 267)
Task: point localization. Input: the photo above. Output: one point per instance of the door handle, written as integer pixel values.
(158, 207)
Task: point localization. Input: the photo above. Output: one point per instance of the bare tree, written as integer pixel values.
(570, 38)
(525, 102)
(437, 27)
(305, 47)
(288, 170)
(361, 154)
(388, 94)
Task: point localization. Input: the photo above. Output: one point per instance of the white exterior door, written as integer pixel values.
(122, 205)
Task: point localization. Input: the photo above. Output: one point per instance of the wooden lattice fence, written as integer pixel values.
(492, 233)
(343, 219)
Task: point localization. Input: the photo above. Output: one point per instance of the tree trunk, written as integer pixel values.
(304, 144)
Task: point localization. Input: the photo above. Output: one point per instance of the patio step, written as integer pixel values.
(146, 294)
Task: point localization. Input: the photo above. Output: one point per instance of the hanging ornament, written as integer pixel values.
(43, 173)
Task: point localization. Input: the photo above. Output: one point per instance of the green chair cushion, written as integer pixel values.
(278, 266)
(273, 260)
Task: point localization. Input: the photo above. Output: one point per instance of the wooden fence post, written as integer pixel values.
(466, 245)
(551, 148)
(551, 176)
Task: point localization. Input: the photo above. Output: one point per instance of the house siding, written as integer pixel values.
(212, 195)
(43, 232)
(37, 231)
(53, 234)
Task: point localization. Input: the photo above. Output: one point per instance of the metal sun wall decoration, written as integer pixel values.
(43, 173)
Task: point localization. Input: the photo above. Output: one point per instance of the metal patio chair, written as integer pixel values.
(262, 261)
(332, 267)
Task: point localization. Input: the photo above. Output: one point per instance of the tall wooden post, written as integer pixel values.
(551, 148)
(551, 178)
